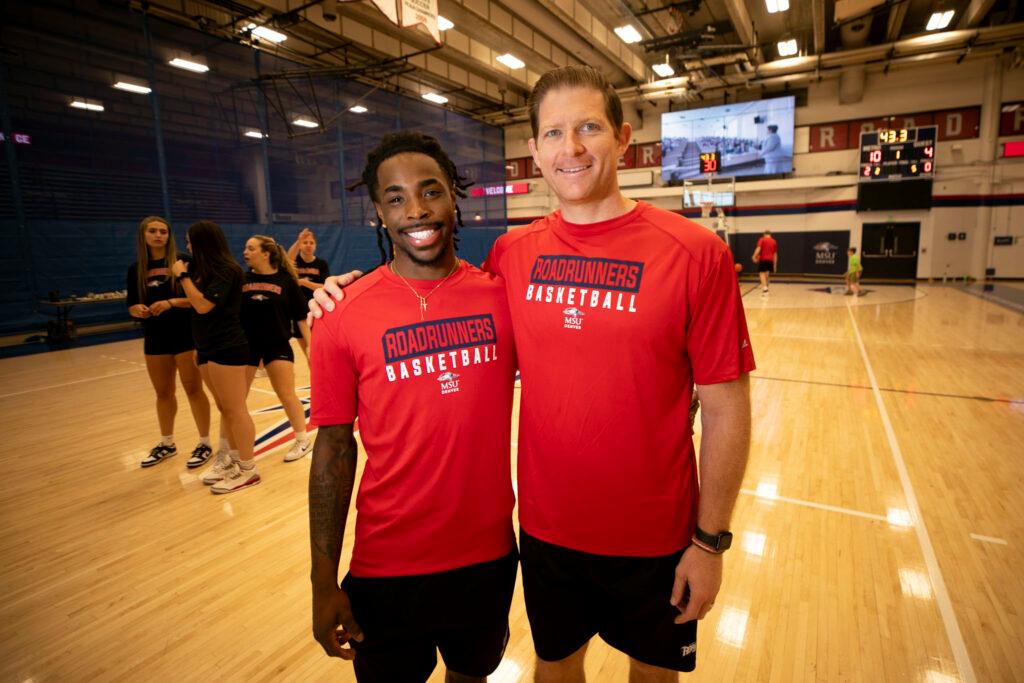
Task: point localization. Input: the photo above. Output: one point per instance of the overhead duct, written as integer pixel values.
(949, 45)
(854, 19)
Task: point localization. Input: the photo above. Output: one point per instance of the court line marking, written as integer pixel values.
(956, 639)
(989, 539)
(892, 390)
(67, 384)
(749, 290)
(817, 506)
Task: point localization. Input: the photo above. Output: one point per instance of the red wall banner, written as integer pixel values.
(953, 124)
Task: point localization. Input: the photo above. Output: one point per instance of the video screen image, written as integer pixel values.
(754, 138)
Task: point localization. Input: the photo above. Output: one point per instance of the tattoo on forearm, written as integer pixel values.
(331, 479)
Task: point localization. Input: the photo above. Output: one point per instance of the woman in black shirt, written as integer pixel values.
(213, 283)
(312, 272)
(273, 305)
(155, 298)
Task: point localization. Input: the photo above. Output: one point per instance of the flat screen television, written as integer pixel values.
(752, 138)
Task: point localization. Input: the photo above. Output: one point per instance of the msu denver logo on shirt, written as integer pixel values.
(578, 283)
(439, 348)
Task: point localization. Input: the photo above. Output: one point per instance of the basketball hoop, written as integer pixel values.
(705, 209)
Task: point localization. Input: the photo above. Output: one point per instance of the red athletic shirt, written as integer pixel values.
(614, 321)
(434, 402)
(768, 247)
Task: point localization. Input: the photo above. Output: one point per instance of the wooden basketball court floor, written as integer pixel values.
(879, 534)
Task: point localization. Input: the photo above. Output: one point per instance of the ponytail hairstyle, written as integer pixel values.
(210, 252)
(278, 256)
(142, 255)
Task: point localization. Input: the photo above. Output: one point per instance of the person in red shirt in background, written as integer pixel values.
(422, 352)
(618, 308)
(766, 256)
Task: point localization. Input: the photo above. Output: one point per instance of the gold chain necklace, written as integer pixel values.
(421, 297)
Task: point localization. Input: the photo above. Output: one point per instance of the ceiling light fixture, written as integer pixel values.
(444, 24)
(776, 5)
(86, 104)
(435, 98)
(189, 65)
(787, 48)
(133, 87)
(305, 123)
(511, 61)
(358, 109)
(267, 33)
(628, 34)
(254, 134)
(664, 69)
(939, 20)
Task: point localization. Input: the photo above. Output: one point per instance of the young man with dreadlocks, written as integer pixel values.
(619, 308)
(421, 351)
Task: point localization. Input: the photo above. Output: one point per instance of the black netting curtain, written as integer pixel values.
(71, 199)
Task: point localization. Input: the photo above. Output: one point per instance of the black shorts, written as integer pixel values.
(406, 619)
(766, 266)
(296, 332)
(236, 355)
(571, 596)
(269, 352)
(168, 344)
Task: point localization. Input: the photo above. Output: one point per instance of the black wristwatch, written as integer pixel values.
(716, 543)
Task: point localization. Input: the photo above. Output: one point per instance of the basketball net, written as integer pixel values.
(705, 209)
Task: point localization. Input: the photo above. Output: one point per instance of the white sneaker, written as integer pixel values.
(299, 450)
(221, 464)
(236, 479)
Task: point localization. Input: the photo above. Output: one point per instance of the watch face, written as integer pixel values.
(719, 542)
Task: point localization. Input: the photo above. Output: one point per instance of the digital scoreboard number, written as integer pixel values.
(897, 153)
(710, 162)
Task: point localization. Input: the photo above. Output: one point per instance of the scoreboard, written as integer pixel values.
(710, 162)
(897, 154)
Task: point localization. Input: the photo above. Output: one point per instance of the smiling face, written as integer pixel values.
(254, 255)
(577, 148)
(417, 202)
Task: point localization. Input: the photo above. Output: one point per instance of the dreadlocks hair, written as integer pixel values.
(394, 144)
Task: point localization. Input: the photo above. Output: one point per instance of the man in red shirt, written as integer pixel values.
(421, 351)
(766, 256)
(618, 309)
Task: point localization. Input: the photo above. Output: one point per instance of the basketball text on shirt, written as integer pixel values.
(576, 282)
(439, 346)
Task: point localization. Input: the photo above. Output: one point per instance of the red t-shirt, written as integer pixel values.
(768, 247)
(434, 402)
(614, 321)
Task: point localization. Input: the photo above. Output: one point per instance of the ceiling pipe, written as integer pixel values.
(920, 49)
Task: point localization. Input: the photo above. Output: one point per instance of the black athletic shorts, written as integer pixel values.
(766, 266)
(236, 355)
(571, 596)
(296, 332)
(168, 344)
(269, 352)
(406, 619)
